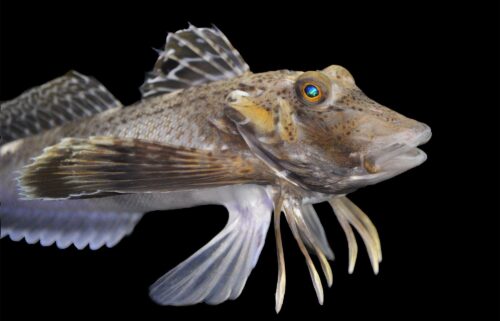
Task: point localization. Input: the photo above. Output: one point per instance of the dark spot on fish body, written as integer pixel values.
(246, 87)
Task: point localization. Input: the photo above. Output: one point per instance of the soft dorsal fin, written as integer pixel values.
(192, 57)
(52, 104)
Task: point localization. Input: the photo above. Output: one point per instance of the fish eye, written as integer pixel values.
(311, 92)
(312, 88)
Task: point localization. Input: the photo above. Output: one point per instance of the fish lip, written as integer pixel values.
(399, 156)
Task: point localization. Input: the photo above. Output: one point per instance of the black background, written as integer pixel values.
(438, 223)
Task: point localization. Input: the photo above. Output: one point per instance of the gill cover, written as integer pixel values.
(269, 123)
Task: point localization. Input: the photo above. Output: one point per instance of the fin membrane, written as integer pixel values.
(102, 166)
(192, 57)
(317, 233)
(219, 270)
(55, 103)
(65, 224)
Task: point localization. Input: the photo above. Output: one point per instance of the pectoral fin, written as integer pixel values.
(219, 270)
(101, 166)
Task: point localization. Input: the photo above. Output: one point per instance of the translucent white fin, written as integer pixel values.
(317, 232)
(219, 270)
(52, 104)
(66, 227)
(191, 57)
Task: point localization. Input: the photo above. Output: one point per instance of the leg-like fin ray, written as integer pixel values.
(311, 231)
(351, 242)
(281, 284)
(346, 209)
(289, 214)
(367, 223)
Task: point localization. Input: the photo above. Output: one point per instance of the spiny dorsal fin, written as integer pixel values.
(52, 104)
(192, 57)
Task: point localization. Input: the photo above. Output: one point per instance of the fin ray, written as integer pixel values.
(192, 57)
(54, 103)
(65, 226)
(99, 166)
(219, 270)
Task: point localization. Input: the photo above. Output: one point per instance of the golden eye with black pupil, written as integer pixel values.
(312, 88)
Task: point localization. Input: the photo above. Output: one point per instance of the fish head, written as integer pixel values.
(318, 130)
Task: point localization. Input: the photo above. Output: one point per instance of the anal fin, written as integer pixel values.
(65, 223)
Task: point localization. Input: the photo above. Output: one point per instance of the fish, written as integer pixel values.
(79, 168)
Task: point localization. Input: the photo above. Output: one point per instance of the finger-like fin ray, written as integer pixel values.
(345, 209)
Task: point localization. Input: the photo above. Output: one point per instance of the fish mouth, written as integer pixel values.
(399, 157)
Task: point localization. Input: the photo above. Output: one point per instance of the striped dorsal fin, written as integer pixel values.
(57, 102)
(192, 57)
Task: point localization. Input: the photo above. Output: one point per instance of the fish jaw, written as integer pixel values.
(396, 154)
(399, 151)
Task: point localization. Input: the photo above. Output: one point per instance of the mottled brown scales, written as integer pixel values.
(267, 106)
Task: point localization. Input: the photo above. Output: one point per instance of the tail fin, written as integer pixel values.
(52, 104)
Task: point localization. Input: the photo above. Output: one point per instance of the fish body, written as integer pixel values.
(78, 167)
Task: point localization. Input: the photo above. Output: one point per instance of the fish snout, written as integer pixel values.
(398, 151)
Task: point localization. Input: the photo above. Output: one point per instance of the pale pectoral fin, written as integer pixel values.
(102, 166)
(219, 270)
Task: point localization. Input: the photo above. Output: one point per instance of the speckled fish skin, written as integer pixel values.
(207, 131)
